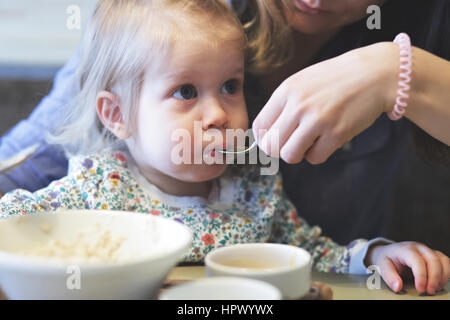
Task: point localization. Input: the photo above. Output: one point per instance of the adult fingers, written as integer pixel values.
(390, 275)
(269, 113)
(300, 141)
(322, 149)
(283, 127)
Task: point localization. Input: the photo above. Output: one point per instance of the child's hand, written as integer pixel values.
(430, 268)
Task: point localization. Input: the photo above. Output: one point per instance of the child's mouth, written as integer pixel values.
(217, 149)
(215, 152)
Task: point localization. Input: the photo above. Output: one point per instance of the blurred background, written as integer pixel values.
(35, 42)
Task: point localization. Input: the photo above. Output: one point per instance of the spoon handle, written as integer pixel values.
(254, 144)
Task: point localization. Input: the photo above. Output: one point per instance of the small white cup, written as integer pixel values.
(284, 266)
(222, 288)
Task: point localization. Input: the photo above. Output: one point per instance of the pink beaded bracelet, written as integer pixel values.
(401, 102)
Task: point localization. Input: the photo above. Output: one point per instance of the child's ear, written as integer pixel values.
(108, 110)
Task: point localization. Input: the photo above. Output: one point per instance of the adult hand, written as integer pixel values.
(430, 268)
(318, 109)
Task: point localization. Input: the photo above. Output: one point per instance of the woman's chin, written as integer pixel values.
(306, 24)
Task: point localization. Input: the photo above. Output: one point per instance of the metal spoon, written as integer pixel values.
(17, 159)
(254, 144)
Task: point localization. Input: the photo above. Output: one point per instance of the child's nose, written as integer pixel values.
(214, 116)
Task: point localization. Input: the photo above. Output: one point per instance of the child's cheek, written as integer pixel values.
(243, 118)
(172, 148)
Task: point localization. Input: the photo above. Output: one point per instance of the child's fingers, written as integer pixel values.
(390, 275)
(445, 263)
(414, 260)
(434, 268)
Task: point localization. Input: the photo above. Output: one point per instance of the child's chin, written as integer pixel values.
(208, 172)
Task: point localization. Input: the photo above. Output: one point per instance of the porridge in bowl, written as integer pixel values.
(104, 249)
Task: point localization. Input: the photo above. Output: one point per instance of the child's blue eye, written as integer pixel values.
(230, 87)
(186, 92)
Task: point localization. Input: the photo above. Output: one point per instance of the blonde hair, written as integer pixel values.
(122, 39)
(270, 36)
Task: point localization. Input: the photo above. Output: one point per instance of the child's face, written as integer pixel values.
(197, 83)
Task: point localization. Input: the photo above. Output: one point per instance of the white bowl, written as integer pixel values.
(149, 249)
(284, 266)
(222, 288)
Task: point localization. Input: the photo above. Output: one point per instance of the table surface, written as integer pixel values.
(344, 286)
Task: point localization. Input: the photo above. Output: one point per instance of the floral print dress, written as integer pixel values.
(248, 207)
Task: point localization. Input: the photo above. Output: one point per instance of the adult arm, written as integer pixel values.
(325, 105)
(429, 101)
(49, 162)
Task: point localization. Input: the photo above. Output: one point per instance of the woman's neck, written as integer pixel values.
(306, 49)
